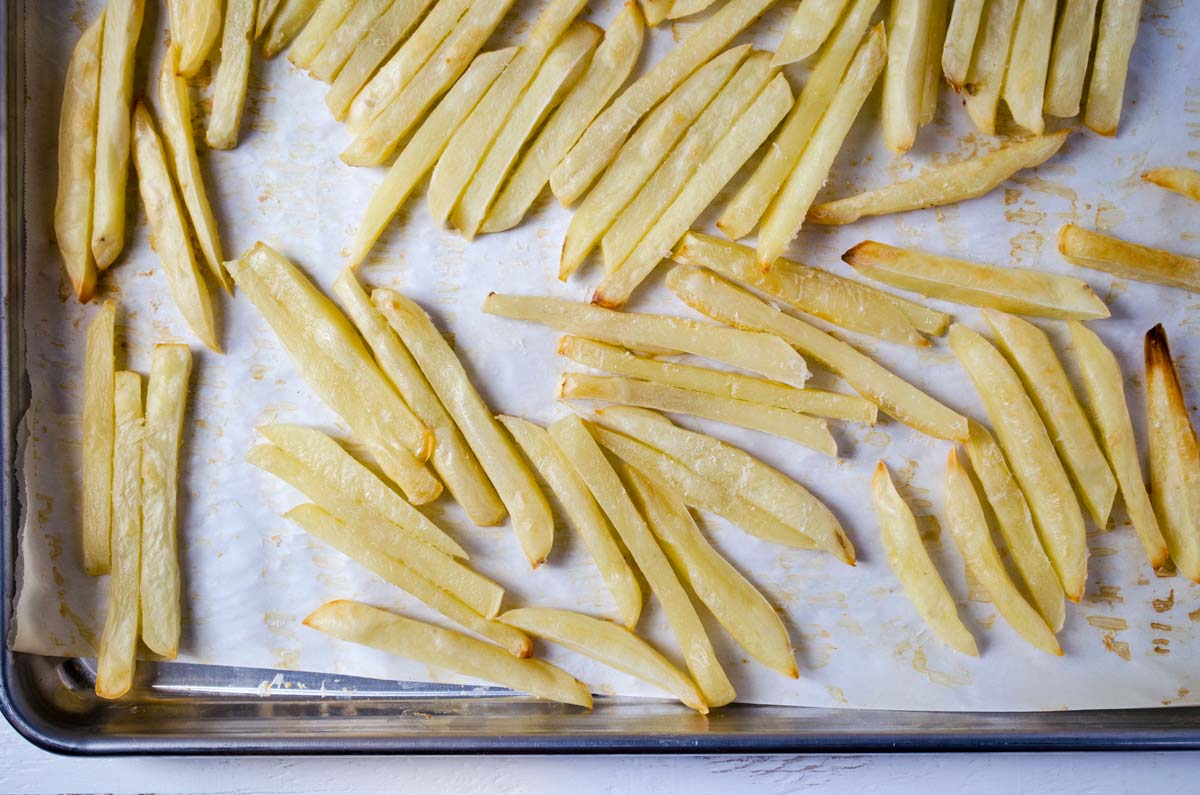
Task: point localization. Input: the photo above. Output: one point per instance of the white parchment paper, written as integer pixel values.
(250, 576)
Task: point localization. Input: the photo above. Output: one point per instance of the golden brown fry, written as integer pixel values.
(287, 22)
(320, 26)
(233, 75)
(98, 377)
(903, 83)
(811, 25)
(339, 46)
(1128, 260)
(1028, 63)
(1114, 42)
(685, 8)
(985, 77)
(1184, 181)
(1069, 57)
(263, 14)
(960, 41)
(656, 10)
(195, 28)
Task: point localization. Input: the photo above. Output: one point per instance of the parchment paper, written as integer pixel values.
(250, 576)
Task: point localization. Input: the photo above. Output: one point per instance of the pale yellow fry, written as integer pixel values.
(177, 131)
(910, 561)
(287, 22)
(555, 78)
(122, 27)
(639, 157)
(720, 300)
(576, 441)
(609, 644)
(764, 354)
(596, 149)
(811, 25)
(361, 20)
(323, 526)
(739, 607)
(1128, 260)
(497, 455)
(844, 302)
(77, 161)
(960, 41)
(1114, 42)
(442, 648)
(262, 16)
(341, 471)
(1023, 291)
(946, 184)
(331, 358)
(985, 77)
(199, 25)
(97, 440)
(233, 75)
(903, 83)
(1106, 399)
(1174, 456)
(1029, 62)
(785, 215)
(932, 75)
(1069, 57)
(1031, 453)
(320, 26)
(968, 526)
(609, 67)
(750, 130)
(469, 146)
(1184, 181)
(119, 643)
(388, 31)
(423, 149)
(166, 403)
(743, 212)
(685, 8)
(720, 383)
(1029, 350)
(583, 512)
(168, 230)
(656, 10)
(1016, 525)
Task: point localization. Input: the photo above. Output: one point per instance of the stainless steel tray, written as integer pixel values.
(190, 709)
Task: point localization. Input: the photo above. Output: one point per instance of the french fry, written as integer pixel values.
(1106, 399)
(97, 440)
(739, 607)
(169, 234)
(785, 215)
(556, 76)
(811, 25)
(1023, 291)
(1029, 62)
(577, 442)
(166, 403)
(941, 185)
(1128, 260)
(910, 561)
(317, 30)
(985, 77)
(177, 130)
(1030, 452)
(1184, 181)
(323, 526)
(442, 648)
(1114, 42)
(969, 527)
(800, 428)
(597, 147)
(288, 20)
(764, 354)
(903, 83)
(118, 645)
(77, 161)
(1016, 525)
(583, 512)
(712, 296)
(263, 14)
(960, 41)
(514, 482)
(685, 8)
(606, 73)
(743, 212)
(335, 363)
(340, 45)
(656, 10)
(196, 29)
(233, 75)
(639, 157)
(720, 383)
(1174, 457)
(939, 10)
(326, 458)
(1069, 57)
(122, 27)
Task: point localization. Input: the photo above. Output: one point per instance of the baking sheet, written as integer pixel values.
(250, 576)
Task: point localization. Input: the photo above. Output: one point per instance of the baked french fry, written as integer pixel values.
(583, 512)
(985, 77)
(811, 25)
(910, 561)
(97, 440)
(514, 482)
(118, 645)
(263, 14)
(1184, 181)
(342, 41)
(685, 8)
(656, 10)
(386, 33)
(288, 20)
(1069, 57)
(1029, 62)
(577, 442)
(1031, 453)
(903, 83)
(233, 75)
(939, 10)
(77, 161)
(442, 648)
(941, 185)
(960, 41)
(317, 30)
(1019, 290)
(195, 29)
(787, 211)
(1128, 260)
(1114, 42)
(764, 354)
(1174, 457)
(712, 296)
(1106, 400)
